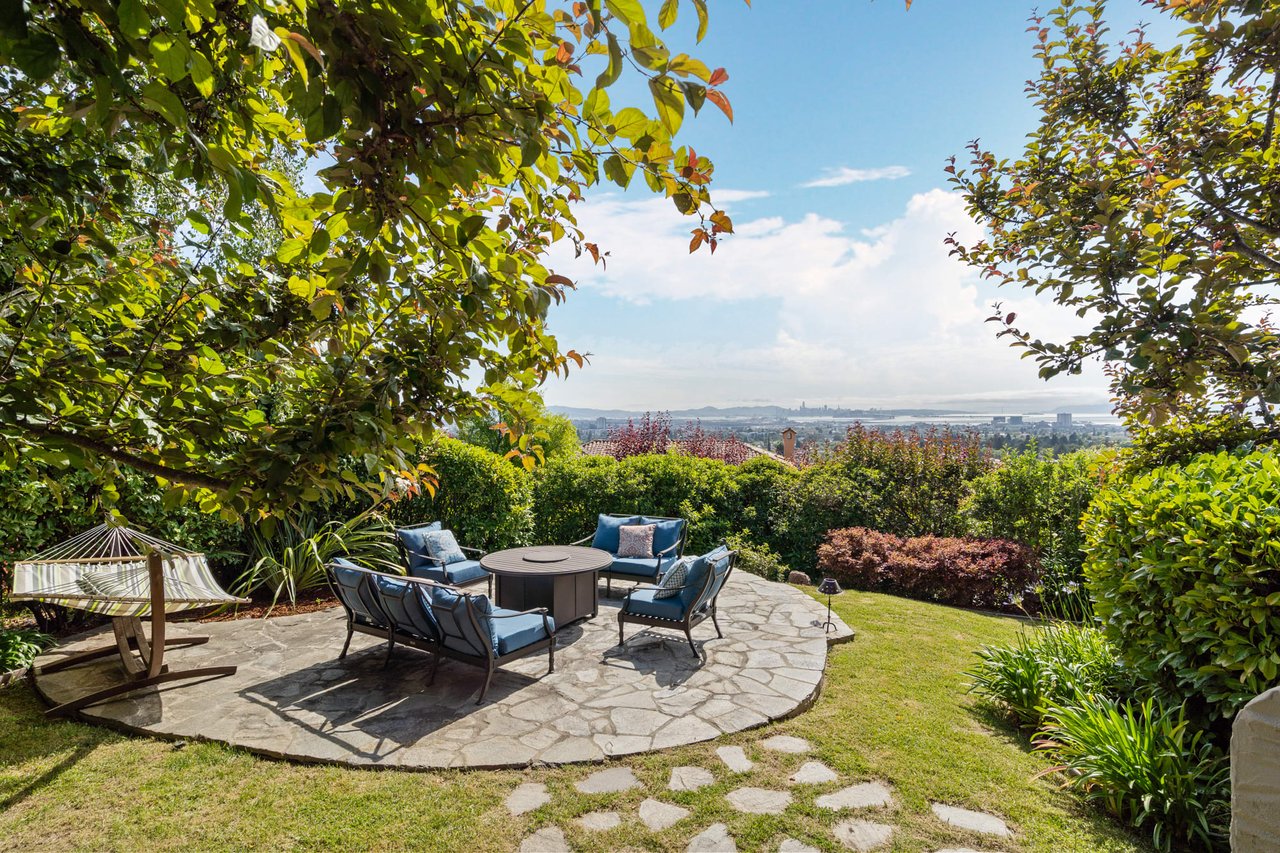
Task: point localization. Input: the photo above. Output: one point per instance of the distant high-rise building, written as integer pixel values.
(1015, 420)
(1064, 420)
(998, 419)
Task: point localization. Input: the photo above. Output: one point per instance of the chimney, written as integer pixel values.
(789, 444)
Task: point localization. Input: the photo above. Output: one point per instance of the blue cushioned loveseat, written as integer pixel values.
(683, 606)
(415, 544)
(668, 545)
(441, 620)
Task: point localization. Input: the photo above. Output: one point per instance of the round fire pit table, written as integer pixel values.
(561, 578)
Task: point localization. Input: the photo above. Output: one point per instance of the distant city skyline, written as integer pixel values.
(837, 286)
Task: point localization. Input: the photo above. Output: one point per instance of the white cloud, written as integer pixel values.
(883, 316)
(844, 175)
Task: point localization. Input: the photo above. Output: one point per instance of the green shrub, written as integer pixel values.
(1052, 665)
(759, 560)
(485, 500)
(1184, 568)
(1039, 500)
(292, 557)
(1146, 765)
(1180, 441)
(20, 646)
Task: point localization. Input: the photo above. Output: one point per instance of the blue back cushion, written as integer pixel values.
(442, 545)
(403, 605)
(354, 586)
(665, 533)
(606, 538)
(716, 559)
(719, 562)
(449, 607)
(412, 540)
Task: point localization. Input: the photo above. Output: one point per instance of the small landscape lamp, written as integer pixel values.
(829, 587)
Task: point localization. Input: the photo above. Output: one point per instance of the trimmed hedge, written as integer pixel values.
(989, 574)
(1184, 567)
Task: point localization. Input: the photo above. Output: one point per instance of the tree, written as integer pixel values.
(141, 321)
(549, 436)
(1148, 202)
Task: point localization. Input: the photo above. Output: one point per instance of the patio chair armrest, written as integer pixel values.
(583, 539)
(540, 611)
(430, 559)
(665, 550)
(479, 551)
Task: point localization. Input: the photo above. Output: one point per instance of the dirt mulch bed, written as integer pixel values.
(308, 602)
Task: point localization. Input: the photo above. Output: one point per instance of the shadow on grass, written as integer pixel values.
(28, 737)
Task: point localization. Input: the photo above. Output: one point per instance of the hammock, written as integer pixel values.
(115, 571)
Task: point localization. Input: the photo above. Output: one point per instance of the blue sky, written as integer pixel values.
(838, 293)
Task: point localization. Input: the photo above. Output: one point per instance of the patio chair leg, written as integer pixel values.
(435, 664)
(689, 635)
(621, 641)
(347, 644)
(551, 657)
(487, 678)
(391, 647)
(716, 622)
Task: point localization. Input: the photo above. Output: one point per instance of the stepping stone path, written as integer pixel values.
(861, 796)
(600, 821)
(813, 773)
(790, 845)
(863, 835)
(527, 797)
(973, 821)
(657, 815)
(713, 839)
(759, 800)
(608, 781)
(735, 759)
(786, 743)
(549, 839)
(689, 778)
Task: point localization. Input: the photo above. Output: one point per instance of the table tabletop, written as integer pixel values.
(546, 560)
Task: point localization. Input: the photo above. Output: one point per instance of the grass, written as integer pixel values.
(894, 708)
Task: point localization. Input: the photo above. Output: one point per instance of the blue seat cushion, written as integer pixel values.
(516, 632)
(606, 538)
(640, 567)
(405, 608)
(464, 572)
(642, 603)
(413, 540)
(666, 533)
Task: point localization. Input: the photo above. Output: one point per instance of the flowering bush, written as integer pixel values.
(990, 574)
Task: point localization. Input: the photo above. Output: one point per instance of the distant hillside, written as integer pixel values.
(771, 412)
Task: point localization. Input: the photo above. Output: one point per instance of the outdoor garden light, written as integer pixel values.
(829, 587)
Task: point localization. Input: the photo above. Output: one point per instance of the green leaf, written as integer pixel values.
(618, 170)
(685, 65)
(667, 14)
(37, 56)
(469, 228)
(670, 104)
(630, 123)
(700, 6)
(134, 20)
(201, 73)
(630, 12)
(613, 70)
(160, 98)
(170, 56)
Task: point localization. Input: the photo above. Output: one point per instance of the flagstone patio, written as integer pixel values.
(292, 698)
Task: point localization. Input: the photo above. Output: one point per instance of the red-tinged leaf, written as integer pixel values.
(1010, 318)
(310, 48)
(565, 53)
(722, 221)
(722, 102)
(555, 278)
(908, 4)
(698, 237)
(717, 77)
(579, 9)
(594, 250)
(714, 242)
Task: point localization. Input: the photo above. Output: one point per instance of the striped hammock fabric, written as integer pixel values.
(104, 571)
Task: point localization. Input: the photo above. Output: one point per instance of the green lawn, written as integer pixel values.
(894, 708)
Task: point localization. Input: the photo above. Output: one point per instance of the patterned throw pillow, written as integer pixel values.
(669, 586)
(443, 546)
(635, 540)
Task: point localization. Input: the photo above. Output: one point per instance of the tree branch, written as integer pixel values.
(127, 457)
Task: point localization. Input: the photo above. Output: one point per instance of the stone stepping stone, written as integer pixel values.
(759, 800)
(600, 821)
(863, 835)
(713, 839)
(861, 796)
(689, 778)
(735, 759)
(527, 797)
(790, 845)
(657, 815)
(549, 839)
(988, 824)
(608, 781)
(786, 743)
(813, 773)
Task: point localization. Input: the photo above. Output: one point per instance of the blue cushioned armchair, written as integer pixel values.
(668, 545)
(440, 620)
(693, 602)
(413, 544)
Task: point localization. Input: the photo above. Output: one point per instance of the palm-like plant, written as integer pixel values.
(292, 559)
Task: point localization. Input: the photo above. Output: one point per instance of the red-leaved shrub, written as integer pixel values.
(990, 574)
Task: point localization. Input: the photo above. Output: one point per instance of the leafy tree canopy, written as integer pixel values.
(1148, 201)
(179, 294)
(548, 436)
